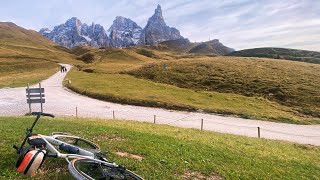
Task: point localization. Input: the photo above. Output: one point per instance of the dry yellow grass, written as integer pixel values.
(19, 72)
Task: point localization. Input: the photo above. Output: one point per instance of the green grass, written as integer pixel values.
(168, 152)
(292, 84)
(19, 72)
(130, 90)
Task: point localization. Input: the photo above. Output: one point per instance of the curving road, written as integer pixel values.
(63, 102)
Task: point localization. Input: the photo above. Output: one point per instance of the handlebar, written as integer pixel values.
(42, 114)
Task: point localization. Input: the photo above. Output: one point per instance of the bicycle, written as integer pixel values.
(85, 160)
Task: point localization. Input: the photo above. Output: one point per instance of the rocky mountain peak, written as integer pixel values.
(73, 22)
(157, 31)
(124, 32)
(122, 23)
(158, 11)
(75, 33)
(44, 31)
(157, 16)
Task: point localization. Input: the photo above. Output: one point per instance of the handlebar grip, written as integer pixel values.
(42, 114)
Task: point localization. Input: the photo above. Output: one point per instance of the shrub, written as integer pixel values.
(87, 57)
(147, 53)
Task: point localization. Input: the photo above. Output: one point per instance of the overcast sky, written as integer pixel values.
(239, 24)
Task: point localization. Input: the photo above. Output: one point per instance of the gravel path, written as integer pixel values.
(63, 102)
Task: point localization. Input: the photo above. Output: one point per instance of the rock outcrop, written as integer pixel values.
(124, 33)
(74, 33)
(157, 31)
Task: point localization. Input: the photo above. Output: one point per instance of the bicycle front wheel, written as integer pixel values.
(88, 169)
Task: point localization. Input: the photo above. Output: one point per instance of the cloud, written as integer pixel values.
(237, 23)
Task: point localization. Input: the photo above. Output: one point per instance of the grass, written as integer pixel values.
(280, 53)
(17, 43)
(19, 72)
(126, 89)
(292, 84)
(168, 152)
(28, 57)
(114, 60)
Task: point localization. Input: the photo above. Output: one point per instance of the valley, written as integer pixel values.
(153, 86)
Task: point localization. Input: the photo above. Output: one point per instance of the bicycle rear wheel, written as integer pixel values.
(87, 169)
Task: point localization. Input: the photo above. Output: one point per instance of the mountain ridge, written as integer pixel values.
(280, 53)
(123, 33)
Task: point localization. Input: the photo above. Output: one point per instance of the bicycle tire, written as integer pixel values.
(107, 173)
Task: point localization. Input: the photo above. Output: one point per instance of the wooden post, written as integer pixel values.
(201, 124)
(41, 98)
(113, 115)
(76, 111)
(29, 99)
(154, 119)
(258, 132)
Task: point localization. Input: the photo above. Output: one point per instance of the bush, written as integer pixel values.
(147, 53)
(87, 57)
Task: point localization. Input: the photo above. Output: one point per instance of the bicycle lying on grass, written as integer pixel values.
(85, 158)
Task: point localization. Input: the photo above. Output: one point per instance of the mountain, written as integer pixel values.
(280, 53)
(124, 32)
(75, 33)
(157, 31)
(211, 47)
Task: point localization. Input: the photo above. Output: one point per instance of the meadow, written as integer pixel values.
(167, 152)
(255, 88)
(20, 72)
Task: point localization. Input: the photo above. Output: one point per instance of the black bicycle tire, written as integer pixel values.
(78, 176)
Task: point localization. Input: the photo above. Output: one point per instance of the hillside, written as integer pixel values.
(280, 53)
(17, 42)
(109, 60)
(173, 153)
(293, 84)
(213, 47)
(27, 57)
(242, 91)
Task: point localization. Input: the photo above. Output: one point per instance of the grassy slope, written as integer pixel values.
(280, 53)
(170, 151)
(19, 72)
(26, 56)
(127, 89)
(113, 60)
(20, 43)
(105, 83)
(292, 84)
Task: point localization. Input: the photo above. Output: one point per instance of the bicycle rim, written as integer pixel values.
(83, 169)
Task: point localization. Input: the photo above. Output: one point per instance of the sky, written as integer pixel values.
(240, 24)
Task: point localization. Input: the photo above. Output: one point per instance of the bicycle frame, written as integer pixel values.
(51, 142)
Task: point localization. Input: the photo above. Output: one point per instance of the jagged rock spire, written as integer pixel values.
(157, 17)
(157, 31)
(158, 11)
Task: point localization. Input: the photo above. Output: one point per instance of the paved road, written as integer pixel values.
(63, 102)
